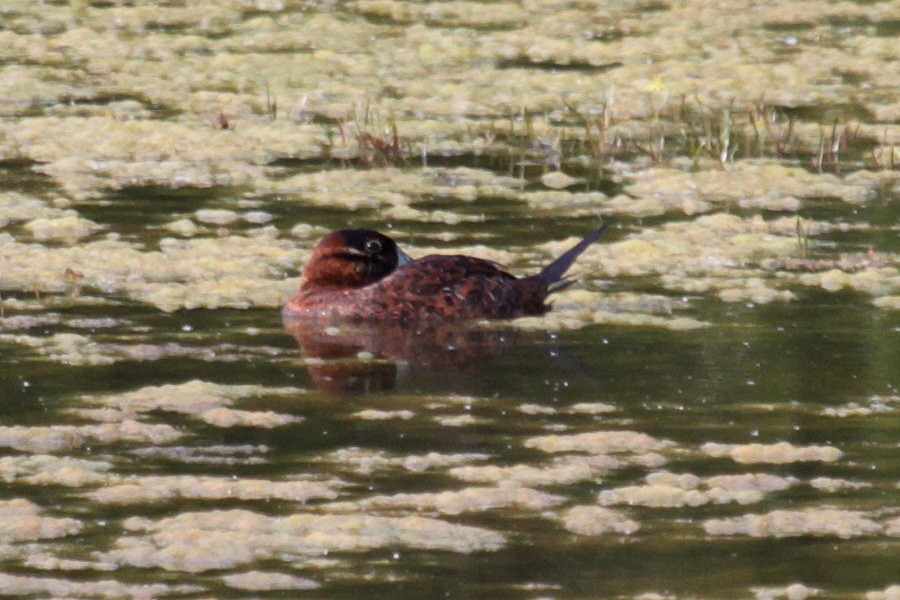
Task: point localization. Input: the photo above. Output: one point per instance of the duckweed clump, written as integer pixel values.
(165, 169)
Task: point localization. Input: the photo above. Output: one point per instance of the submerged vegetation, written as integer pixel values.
(717, 394)
(588, 139)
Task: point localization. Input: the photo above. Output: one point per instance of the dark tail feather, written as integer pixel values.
(552, 274)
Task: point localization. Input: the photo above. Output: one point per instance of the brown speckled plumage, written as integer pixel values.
(359, 275)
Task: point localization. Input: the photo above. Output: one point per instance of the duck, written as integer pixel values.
(362, 276)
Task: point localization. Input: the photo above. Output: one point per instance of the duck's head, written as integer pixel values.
(353, 258)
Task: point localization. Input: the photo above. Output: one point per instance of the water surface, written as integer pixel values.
(711, 412)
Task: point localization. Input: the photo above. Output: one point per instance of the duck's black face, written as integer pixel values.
(353, 258)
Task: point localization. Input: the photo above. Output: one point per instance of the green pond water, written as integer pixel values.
(710, 412)
(757, 374)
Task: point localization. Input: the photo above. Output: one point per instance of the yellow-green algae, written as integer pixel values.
(742, 258)
(596, 520)
(47, 469)
(216, 78)
(362, 461)
(113, 97)
(794, 591)
(217, 454)
(454, 502)
(562, 470)
(888, 302)
(891, 592)
(873, 405)
(665, 489)
(599, 442)
(591, 408)
(536, 409)
(148, 489)
(20, 585)
(119, 419)
(207, 401)
(463, 420)
(394, 187)
(79, 350)
(231, 73)
(264, 581)
(747, 183)
(62, 438)
(22, 521)
(892, 527)
(202, 541)
(22, 207)
(384, 415)
(831, 484)
(791, 523)
(46, 561)
(65, 229)
(203, 80)
(238, 271)
(780, 452)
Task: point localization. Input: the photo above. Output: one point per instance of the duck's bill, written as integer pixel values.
(403, 258)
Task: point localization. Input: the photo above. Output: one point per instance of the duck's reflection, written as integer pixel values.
(373, 358)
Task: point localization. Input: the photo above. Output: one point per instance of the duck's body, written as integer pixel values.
(358, 275)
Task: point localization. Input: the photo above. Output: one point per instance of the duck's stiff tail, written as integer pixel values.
(552, 274)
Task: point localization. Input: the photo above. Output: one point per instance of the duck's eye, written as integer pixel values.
(373, 246)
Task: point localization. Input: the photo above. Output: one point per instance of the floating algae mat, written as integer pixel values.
(711, 412)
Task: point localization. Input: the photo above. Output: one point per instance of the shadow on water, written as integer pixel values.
(372, 359)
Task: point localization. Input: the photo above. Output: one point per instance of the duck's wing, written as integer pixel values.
(448, 287)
